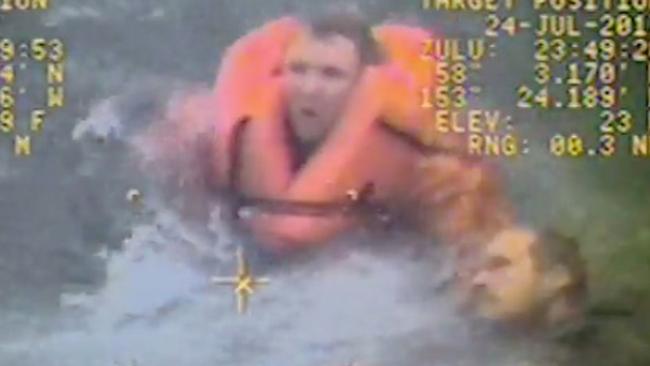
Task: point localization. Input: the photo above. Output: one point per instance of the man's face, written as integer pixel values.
(507, 283)
(320, 73)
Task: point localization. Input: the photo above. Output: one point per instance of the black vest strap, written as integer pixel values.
(361, 204)
(234, 173)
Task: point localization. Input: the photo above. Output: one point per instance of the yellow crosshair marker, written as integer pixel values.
(244, 283)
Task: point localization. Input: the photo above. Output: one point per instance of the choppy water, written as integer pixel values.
(87, 279)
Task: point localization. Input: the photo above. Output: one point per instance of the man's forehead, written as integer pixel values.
(327, 45)
(511, 245)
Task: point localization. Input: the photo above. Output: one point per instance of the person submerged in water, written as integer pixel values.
(535, 284)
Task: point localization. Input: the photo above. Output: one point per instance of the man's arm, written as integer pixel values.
(461, 200)
(175, 151)
(457, 198)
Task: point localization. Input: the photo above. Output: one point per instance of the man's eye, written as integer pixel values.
(298, 68)
(333, 72)
(498, 262)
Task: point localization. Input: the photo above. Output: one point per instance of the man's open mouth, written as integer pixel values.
(308, 112)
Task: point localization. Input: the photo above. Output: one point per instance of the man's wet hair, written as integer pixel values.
(352, 26)
(554, 249)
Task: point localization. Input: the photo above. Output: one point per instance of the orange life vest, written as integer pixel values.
(248, 87)
(362, 149)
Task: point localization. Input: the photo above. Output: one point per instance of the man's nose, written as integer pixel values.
(481, 279)
(311, 85)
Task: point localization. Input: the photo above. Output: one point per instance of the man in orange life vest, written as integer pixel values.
(319, 113)
(317, 125)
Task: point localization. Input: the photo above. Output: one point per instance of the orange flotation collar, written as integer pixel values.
(248, 87)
